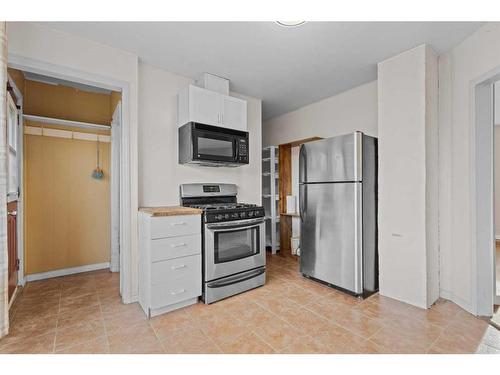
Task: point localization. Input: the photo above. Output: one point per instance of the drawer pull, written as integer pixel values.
(178, 267)
(178, 292)
(178, 245)
(179, 223)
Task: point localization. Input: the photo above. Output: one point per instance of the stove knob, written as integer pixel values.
(250, 213)
(243, 214)
(226, 216)
(220, 217)
(236, 216)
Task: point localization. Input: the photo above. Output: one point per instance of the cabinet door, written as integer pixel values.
(234, 113)
(205, 106)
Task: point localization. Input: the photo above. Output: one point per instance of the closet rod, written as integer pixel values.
(58, 121)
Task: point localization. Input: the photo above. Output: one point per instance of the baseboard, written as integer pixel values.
(497, 237)
(66, 271)
(446, 294)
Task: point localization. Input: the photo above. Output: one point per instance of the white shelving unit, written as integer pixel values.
(270, 196)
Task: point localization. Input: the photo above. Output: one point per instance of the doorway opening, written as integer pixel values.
(64, 168)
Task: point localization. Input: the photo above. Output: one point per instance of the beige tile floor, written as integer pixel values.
(290, 314)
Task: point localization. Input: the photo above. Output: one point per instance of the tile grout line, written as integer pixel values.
(57, 321)
(104, 323)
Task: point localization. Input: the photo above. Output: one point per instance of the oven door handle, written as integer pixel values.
(237, 279)
(243, 224)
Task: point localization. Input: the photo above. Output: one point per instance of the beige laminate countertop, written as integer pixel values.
(170, 210)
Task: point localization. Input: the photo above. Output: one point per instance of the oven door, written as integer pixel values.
(214, 147)
(233, 247)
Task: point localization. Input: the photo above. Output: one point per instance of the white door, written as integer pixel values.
(234, 113)
(205, 106)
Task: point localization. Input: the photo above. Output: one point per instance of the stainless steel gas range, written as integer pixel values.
(234, 254)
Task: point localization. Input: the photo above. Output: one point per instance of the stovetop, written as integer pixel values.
(219, 212)
(222, 206)
(218, 202)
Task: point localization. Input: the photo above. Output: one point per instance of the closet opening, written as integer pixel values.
(64, 195)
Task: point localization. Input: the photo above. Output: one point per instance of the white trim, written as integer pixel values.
(115, 189)
(128, 160)
(58, 133)
(62, 122)
(67, 271)
(482, 194)
(497, 237)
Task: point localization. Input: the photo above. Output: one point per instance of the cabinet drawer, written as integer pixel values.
(175, 247)
(186, 285)
(169, 271)
(171, 226)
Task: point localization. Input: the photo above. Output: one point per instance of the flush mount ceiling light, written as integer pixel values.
(290, 23)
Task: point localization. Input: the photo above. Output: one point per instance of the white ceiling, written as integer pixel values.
(286, 67)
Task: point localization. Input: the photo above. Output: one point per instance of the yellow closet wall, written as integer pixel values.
(67, 212)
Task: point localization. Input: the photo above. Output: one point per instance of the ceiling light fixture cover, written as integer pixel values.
(290, 23)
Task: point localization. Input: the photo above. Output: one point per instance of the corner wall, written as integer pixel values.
(407, 127)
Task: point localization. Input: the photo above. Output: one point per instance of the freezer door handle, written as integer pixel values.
(303, 163)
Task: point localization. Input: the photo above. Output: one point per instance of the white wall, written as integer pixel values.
(53, 50)
(472, 58)
(159, 171)
(407, 113)
(355, 109)
(497, 160)
(497, 182)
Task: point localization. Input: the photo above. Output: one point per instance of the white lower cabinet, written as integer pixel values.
(169, 262)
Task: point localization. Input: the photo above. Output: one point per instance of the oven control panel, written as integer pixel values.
(231, 215)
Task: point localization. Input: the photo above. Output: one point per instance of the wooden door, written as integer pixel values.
(12, 246)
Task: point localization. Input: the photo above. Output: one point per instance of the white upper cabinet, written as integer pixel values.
(209, 107)
(234, 113)
(204, 106)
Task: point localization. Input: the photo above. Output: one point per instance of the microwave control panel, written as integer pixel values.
(242, 150)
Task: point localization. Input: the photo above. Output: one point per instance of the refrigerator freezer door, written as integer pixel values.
(332, 160)
(331, 235)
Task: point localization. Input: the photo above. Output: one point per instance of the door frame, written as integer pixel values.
(114, 259)
(482, 188)
(128, 272)
(20, 180)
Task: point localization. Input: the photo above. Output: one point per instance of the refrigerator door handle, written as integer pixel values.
(302, 201)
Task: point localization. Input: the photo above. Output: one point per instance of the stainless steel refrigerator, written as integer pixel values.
(338, 212)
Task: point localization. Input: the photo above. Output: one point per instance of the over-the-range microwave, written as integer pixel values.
(212, 145)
